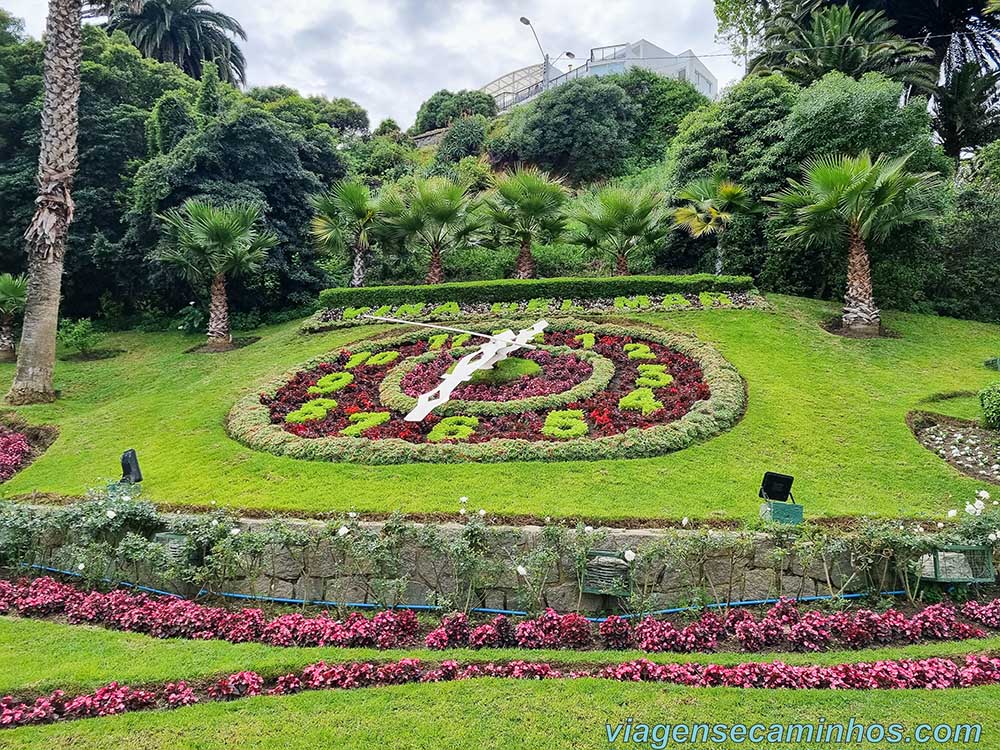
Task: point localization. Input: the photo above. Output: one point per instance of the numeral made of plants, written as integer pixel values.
(639, 302)
(382, 358)
(638, 351)
(654, 376)
(641, 399)
(587, 340)
(437, 342)
(453, 428)
(318, 408)
(565, 425)
(364, 420)
(331, 383)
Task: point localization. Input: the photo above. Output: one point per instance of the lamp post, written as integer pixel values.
(545, 58)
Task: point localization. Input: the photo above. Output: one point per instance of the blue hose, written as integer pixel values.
(477, 610)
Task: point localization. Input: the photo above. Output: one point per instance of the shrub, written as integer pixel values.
(990, 400)
(578, 129)
(79, 335)
(509, 290)
(464, 138)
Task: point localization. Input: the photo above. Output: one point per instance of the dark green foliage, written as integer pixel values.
(464, 138)
(967, 284)
(507, 290)
(11, 29)
(388, 126)
(444, 107)
(383, 158)
(210, 96)
(580, 129)
(343, 114)
(967, 109)
(989, 399)
(661, 103)
(172, 119)
(246, 155)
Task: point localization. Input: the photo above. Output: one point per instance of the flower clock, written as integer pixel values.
(576, 391)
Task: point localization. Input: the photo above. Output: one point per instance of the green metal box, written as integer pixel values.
(790, 513)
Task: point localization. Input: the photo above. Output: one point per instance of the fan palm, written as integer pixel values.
(13, 295)
(344, 220)
(437, 215)
(857, 202)
(208, 244)
(524, 206)
(710, 204)
(186, 33)
(620, 222)
(805, 48)
(967, 109)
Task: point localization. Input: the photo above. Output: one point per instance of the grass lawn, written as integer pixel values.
(829, 410)
(474, 714)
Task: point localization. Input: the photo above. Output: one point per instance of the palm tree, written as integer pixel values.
(46, 235)
(959, 31)
(967, 109)
(710, 204)
(209, 244)
(345, 218)
(186, 33)
(619, 222)
(857, 202)
(805, 48)
(13, 295)
(437, 215)
(526, 205)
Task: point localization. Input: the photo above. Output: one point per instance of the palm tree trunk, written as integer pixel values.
(435, 274)
(359, 268)
(860, 313)
(621, 265)
(46, 236)
(7, 351)
(219, 336)
(525, 262)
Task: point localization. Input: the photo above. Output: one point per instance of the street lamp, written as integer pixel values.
(545, 58)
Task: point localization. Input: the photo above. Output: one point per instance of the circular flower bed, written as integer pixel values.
(599, 391)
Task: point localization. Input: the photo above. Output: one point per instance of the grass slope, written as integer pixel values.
(829, 410)
(476, 714)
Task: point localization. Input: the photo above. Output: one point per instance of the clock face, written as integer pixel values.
(585, 392)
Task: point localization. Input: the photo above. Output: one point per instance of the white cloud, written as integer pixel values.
(390, 55)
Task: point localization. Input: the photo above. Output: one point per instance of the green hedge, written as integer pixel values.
(511, 290)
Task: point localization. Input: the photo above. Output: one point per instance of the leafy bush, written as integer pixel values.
(990, 400)
(444, 106)
(508, 290)
(79, 335)
(464, 138)
(578, 129)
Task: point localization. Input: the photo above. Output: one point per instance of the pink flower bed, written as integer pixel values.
(926, 674)
(14, 451)
(783, 627)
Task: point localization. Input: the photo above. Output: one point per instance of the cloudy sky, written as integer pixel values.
(390, 55)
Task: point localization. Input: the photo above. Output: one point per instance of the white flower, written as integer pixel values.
(461, 511)
(212, 503)
(522, 571)
(127, 498)
(482, 513)
(992, 536)
(180, 328)
(352, 515)
(952, 513)
(110, 514)
(81, 566)
(973, 510)
(343, 531)
(463, 499)
(214, 522)
(588, 529)
(234, 532)
(191, 303)
(918, 529)
(940, 525)
(979, 505)
(684, 521)
(548, 519)
(983, 495)
(629, 556)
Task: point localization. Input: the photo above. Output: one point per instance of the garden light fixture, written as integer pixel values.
(779, 503)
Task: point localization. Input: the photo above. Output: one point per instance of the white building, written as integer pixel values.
(525, 84)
